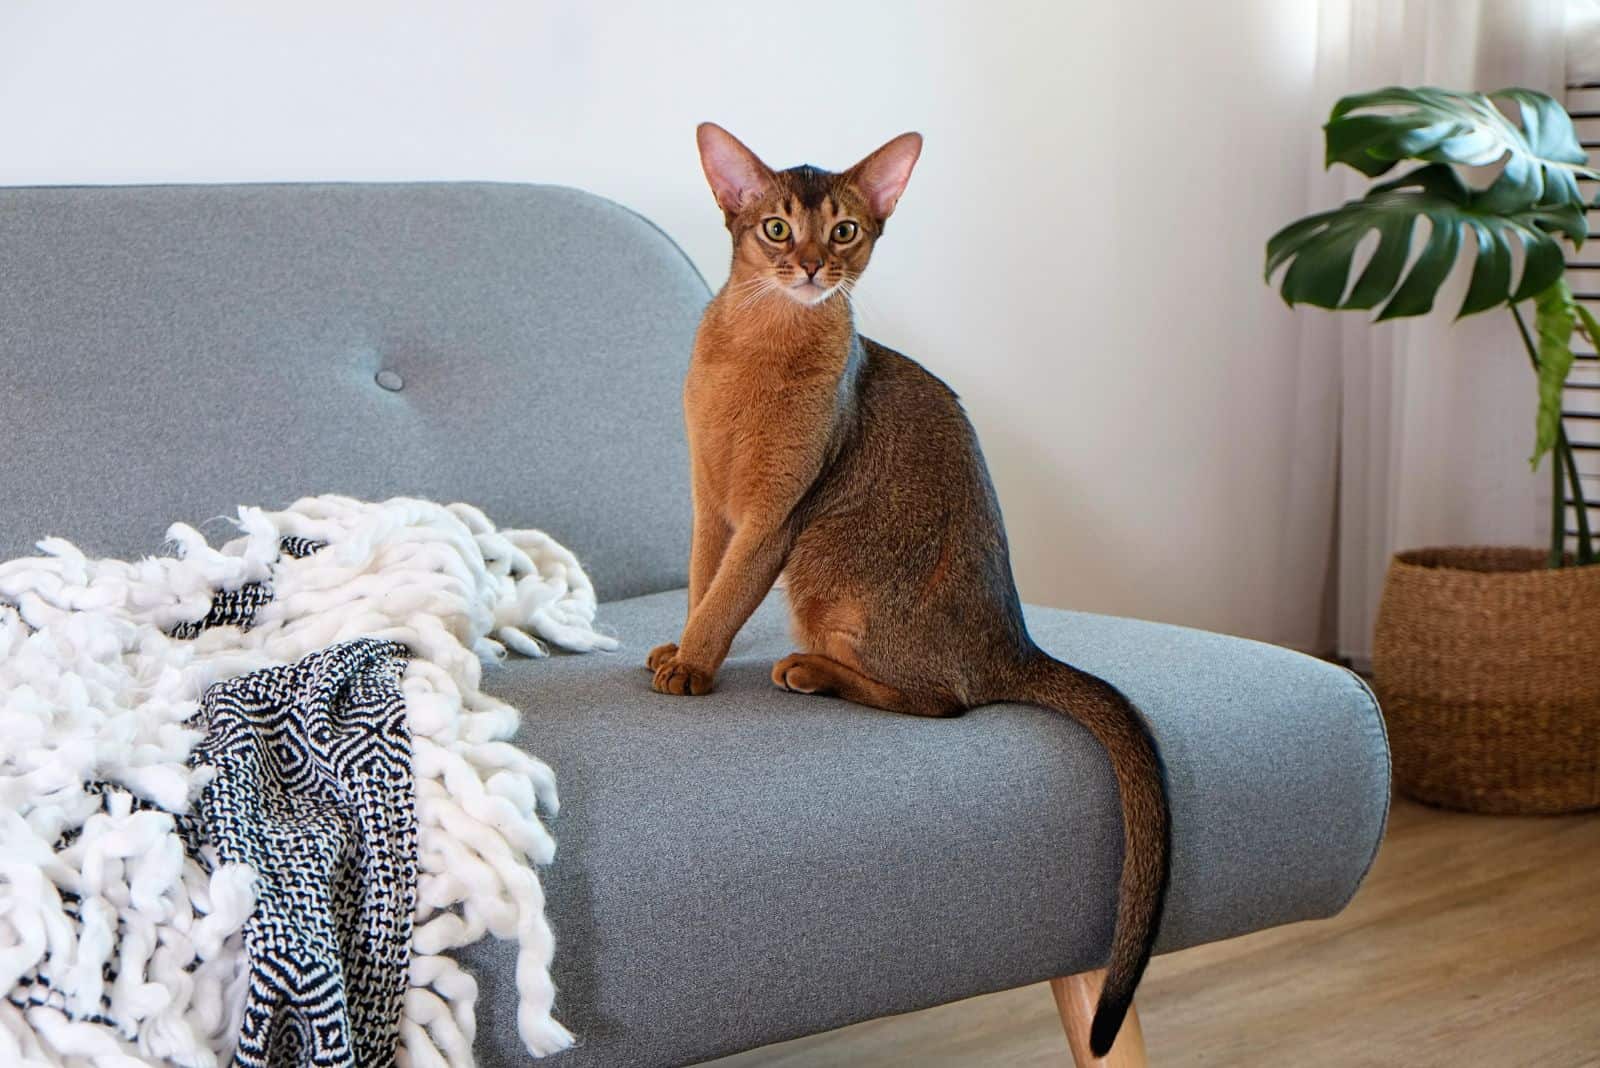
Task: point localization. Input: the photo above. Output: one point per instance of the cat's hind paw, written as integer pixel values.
(798, 673)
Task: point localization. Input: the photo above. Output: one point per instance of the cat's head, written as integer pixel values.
(804, 233)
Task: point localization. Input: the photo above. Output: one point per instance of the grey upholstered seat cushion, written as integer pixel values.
(750, 866)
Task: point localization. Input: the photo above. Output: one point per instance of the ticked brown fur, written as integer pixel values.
(854, 472)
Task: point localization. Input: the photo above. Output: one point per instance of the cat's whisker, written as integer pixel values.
(751, 296)
(765, 286)
(741, 288)
(848, 288)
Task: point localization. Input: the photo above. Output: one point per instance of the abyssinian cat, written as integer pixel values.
(848, 468)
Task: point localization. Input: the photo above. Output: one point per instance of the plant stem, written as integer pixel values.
(1561, 457)
(1558, 513)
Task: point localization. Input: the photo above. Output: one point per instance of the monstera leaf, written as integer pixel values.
(1321, 249)
(1543, 160)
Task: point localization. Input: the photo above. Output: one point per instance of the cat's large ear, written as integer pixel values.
(736, 174)
(882, 176)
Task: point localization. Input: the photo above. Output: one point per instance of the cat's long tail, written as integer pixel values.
(1146, 825)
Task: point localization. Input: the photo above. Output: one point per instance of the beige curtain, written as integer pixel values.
(1435, 417)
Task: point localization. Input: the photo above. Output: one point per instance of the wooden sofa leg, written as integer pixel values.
(1075, 999)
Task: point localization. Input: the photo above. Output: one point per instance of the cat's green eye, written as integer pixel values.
(845, 232)
(775, 229)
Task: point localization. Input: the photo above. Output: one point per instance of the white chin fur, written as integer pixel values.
(808, 294)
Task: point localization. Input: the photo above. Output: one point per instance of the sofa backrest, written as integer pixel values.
(172, 352)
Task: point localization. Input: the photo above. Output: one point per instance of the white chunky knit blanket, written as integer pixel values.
(122, 931)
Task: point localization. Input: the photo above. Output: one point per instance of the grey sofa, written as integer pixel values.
(733, 870)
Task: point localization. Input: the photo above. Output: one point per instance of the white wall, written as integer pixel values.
(1078, 254)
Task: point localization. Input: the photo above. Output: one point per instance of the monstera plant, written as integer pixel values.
(1521, 215)
(1483, 657)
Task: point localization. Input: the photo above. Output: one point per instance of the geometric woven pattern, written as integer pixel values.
(313, 789)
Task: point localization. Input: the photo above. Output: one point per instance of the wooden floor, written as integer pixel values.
(1475, 942)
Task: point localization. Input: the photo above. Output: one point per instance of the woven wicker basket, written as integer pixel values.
(1488, 668)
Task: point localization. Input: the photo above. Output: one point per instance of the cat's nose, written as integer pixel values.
(811, 267)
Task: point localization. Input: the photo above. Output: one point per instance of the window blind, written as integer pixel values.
(1581, 406)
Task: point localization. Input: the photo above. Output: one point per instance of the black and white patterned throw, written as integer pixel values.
(313, 790)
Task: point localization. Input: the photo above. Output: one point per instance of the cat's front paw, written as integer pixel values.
(660, 655)
(676, 677)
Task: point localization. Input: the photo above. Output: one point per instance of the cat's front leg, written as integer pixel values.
(754, 556)
(707, 544)
(708, 541)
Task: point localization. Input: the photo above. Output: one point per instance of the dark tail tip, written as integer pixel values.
(1107, 1023)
